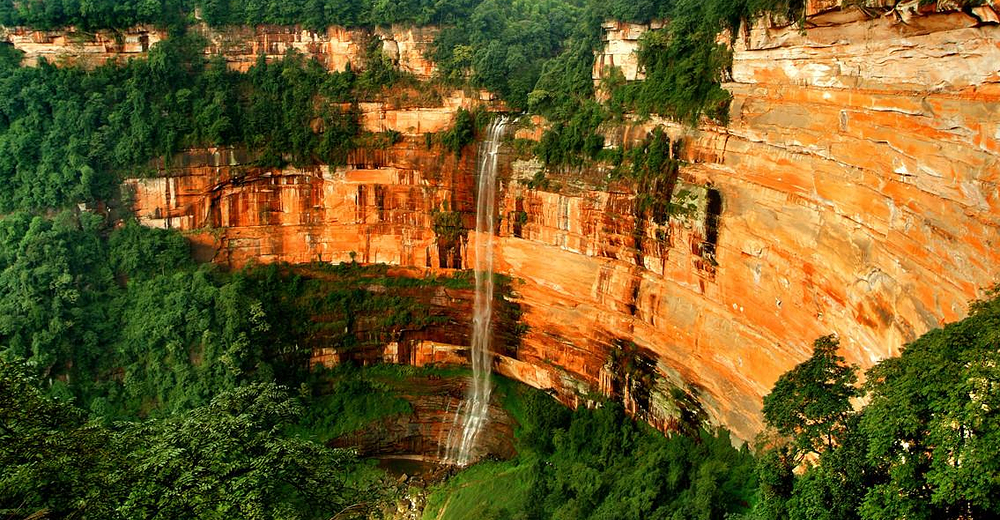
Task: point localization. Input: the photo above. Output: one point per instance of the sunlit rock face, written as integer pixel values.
(79, 48)
(853, 191)
(858, 176)
(241, 47)
(378, 209)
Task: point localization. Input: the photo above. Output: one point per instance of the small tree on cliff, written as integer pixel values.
(810, 404)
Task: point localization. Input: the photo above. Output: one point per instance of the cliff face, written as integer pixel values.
(858, 179)
(379, 209)
(854, 191)
(240, 46)
(87, 49)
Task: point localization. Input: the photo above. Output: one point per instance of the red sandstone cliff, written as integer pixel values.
(240, 46)
(858, 189)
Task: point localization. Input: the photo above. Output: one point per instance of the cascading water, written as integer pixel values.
(472, 414)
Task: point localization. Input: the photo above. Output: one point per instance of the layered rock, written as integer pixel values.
(241, 47)
(378, 209)
(859, 186)
(854, 191)
(79, 47)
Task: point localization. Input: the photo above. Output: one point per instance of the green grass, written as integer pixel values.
(486, 490)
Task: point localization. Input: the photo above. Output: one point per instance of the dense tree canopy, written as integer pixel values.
(229, 458)
(923, 447)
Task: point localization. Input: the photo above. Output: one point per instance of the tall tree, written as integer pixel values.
(811, 403)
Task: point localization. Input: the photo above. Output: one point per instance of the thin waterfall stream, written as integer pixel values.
(473, 413)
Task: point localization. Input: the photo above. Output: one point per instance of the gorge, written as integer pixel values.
(838, 176)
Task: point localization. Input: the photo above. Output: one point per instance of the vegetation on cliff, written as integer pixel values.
(316, 14)
(136, 383)
(68, 134)
(598, 463)
(123, 321)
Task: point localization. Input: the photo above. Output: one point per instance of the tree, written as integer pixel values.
(933, 422)
(811, 402)
(230, 459)
(52, 462)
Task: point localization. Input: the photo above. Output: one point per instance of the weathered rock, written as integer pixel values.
(621, 39)
(379, 209)
(855, 191)
(240, 46)
(80, 48)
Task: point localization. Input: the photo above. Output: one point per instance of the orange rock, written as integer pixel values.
(858, 183)
(240, 46)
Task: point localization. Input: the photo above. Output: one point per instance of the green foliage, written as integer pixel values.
(574, 141)
(227, 458)
(811, 402)
(503, 46)
(10, 58)
(92, 14)
(318, 14)
(185, 337)
(462, 132)
(654, 168)
(137, 250)
(352, 403)
(683, 64)
(924, 446)
(53, 284)
(600, 464)
(69, 135)
(379, 71)
(315, 14)
(51, 461)
(684, 67)
(124, 320)
(932, 422)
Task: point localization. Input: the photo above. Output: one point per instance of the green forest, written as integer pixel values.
(136, 382)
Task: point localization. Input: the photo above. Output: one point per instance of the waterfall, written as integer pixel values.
(475, 410)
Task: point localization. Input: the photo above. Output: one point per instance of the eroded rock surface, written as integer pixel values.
(854, 191)
(334, 48)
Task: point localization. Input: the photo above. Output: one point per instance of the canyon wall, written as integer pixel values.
(854, 191)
